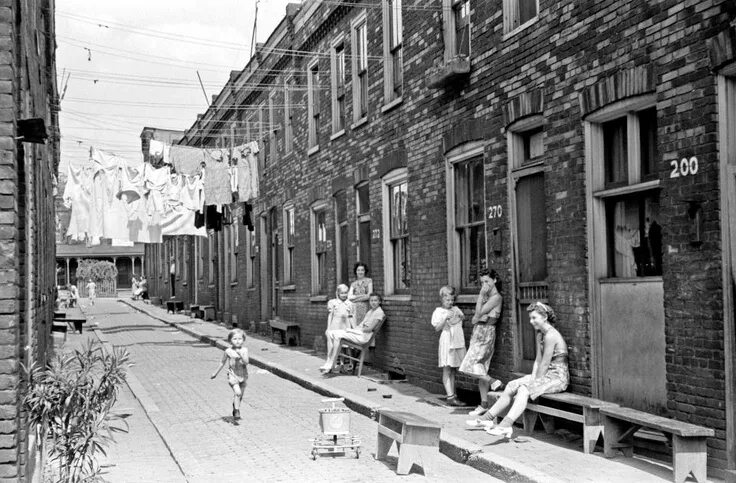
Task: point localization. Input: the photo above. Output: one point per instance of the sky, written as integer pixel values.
(125, 65)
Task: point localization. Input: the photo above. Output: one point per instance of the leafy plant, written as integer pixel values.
(97, 270)
(70, 402)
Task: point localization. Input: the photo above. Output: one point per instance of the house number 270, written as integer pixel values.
(495, 211)
(684, 167)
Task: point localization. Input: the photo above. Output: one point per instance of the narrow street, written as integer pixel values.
(177, 406)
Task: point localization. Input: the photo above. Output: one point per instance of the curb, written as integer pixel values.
(457, 449)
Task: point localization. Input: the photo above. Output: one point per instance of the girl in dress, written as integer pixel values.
(448, 319)
(359, 290)
(236, 357)
(549, 374)
(340, 314)
(480, 351)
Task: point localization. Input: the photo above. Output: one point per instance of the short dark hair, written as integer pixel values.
(374, 294)
(360, 264)
(485, 272)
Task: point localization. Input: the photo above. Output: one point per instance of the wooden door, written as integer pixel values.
(264, 267)
(274, 248)
(531, 260)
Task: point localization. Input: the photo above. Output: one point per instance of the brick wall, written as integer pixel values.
(564, 61)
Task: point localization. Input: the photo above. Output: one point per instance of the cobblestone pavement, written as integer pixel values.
(192, 414)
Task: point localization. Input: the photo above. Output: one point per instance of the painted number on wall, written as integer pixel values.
(684, 167)
(376, 234)
(495, 212)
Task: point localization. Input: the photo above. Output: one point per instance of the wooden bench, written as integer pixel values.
(587, 413)
(418, 439)
(60, 327)
(174, 306)
(689, 449)
(208, 312)
(286, 329)
(363, 348)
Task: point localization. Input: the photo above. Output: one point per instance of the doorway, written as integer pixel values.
(273, 255)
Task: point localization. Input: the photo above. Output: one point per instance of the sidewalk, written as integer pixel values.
(537, 458)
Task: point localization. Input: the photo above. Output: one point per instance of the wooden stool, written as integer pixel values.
(418, 439)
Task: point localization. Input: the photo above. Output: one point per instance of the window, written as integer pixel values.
(199, 257)
(264, 123)
(177, 258)
(288, 124)
(313, 102)
(289, 244)
(518, 13)
(233, 251)
(625, 189)
(397, 260)
(185, 258)
(212, 254)
(273, 128)
(341, 231)
(320, 248)
(392, 51)
(250, 248)
(457, 29)
(362, 202)
(360, 67)
(467, 220)
(337, 59)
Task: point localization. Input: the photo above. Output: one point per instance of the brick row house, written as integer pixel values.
(584, 150)
(29, 159)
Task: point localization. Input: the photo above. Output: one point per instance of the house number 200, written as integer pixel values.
(495, 211)
(684, 167)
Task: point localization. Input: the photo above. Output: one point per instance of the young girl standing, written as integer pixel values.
(449, 319)
(92, 291)
(236, 356)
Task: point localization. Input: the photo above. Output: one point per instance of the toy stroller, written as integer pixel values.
(334, 423)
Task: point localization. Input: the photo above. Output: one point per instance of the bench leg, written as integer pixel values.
(360, 362)
(529, 418)
(410, 454)
(689, 455)
(618, 435)
(383, 445)
(548, 422)
(78, 326)
(592, 429)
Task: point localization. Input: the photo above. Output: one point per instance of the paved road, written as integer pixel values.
(191, 413)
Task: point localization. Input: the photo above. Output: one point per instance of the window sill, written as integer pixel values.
(211, 285)
(466, 299)
(397, 298)
(233, 284)
(318, 298)
(288, 288)
(251, 289)
(625, 190)
(391, 105)
(656, 278)
(184, 284)
(359, 122)
(313, 150)
(337, 134)
(520, 28)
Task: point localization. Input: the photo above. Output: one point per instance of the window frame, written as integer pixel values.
(288, 113)
(318, 287)
(289, 244)
(391, 179)
(233, 255)
(455, 157)
(340, 264)
(449, 8)
(360, 73)
(337, 85)
(211, 255)
(599, 197)
(250, 251)
(511, 14)
(360, 218)
(393, 91)
(272, 128)
(313, 106)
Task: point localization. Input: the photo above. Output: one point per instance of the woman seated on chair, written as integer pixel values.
(360, 334)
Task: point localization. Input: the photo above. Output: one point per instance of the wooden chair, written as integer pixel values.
(362, 348)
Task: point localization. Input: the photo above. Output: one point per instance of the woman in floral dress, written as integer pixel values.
(359, 291)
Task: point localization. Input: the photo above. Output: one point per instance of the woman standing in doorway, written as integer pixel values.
(478, 359)
(359, 291)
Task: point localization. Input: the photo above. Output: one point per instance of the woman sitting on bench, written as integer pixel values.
(360, 334)
(549, 375)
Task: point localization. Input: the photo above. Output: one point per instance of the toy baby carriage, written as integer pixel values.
(334, 423)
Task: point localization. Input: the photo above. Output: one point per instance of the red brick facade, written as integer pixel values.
(559, 83)
(27, 169)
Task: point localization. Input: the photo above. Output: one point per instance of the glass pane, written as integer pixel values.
(340, 65)
(648, 140)
(533, 144)
(614, 151)
(398, 71)
(462, 28)
(634, 235)
(344, 269)
(472, 254)
(395, 21)
(341, 209)
(404, 195)
(362, 47)
(322, 272)
(321, 226)
(401, 264)
(290, 261)
(364, 203)
(461, 193)
(476, 202)
(364, 242)
(527, 10)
